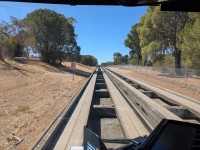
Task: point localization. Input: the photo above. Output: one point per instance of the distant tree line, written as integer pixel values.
(45, 32)
(108, 63)
(88, 60)
(119, 59)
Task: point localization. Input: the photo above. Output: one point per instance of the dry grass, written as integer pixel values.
(23, 108)
(32, 93)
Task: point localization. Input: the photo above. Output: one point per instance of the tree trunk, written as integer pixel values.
(46, 57)
(1, 55)
(138, 61)
(60, 61)
(177, 61)
(145, 62)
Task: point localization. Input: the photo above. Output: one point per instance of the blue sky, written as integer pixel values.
(101, 29)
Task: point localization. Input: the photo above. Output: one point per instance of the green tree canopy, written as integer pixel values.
(89, 60)
(133, 42)
(11, 40)
(108, 63)
(53, 34)
(170, 24)
(159, 31)
(190, 37)
(117, 58)
(120, 59)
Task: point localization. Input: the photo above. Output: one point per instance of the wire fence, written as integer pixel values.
(186, 77)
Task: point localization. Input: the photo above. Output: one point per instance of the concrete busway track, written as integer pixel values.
(132, 125)
(170, 97)
(168, 104)
(150, 111)
(113, 107)
(73, 132)
(105, 111)
(173, 97)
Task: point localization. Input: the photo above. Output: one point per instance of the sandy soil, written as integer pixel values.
(32, 93)
(191, 81)
(171, 86)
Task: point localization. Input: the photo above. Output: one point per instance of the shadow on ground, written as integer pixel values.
(67, 69)
(59, 68)
(8, 66)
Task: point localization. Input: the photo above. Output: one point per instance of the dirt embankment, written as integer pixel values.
(32, 93)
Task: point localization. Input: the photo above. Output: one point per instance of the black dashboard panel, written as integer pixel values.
(173, 135)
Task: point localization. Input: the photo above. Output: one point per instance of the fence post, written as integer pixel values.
(146, 70)
(186, 74)
(166, 73)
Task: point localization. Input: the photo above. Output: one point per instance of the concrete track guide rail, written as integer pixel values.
(150, 111)
(132, 125)
(73, 132)
(189, 103)
(185, 109)
(106, 112)
(51, 134)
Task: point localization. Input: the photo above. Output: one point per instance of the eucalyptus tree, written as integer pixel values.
(11, 38)
(53, 34)
(170, 24)
(89, 60)
(133, 42)
(148, 37)
(160, 31)
(190, 37)
(125, 59)
(118, 59)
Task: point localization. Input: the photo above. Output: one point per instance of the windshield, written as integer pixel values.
(50, 52)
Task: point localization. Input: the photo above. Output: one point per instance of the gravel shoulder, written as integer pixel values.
(32, 93)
